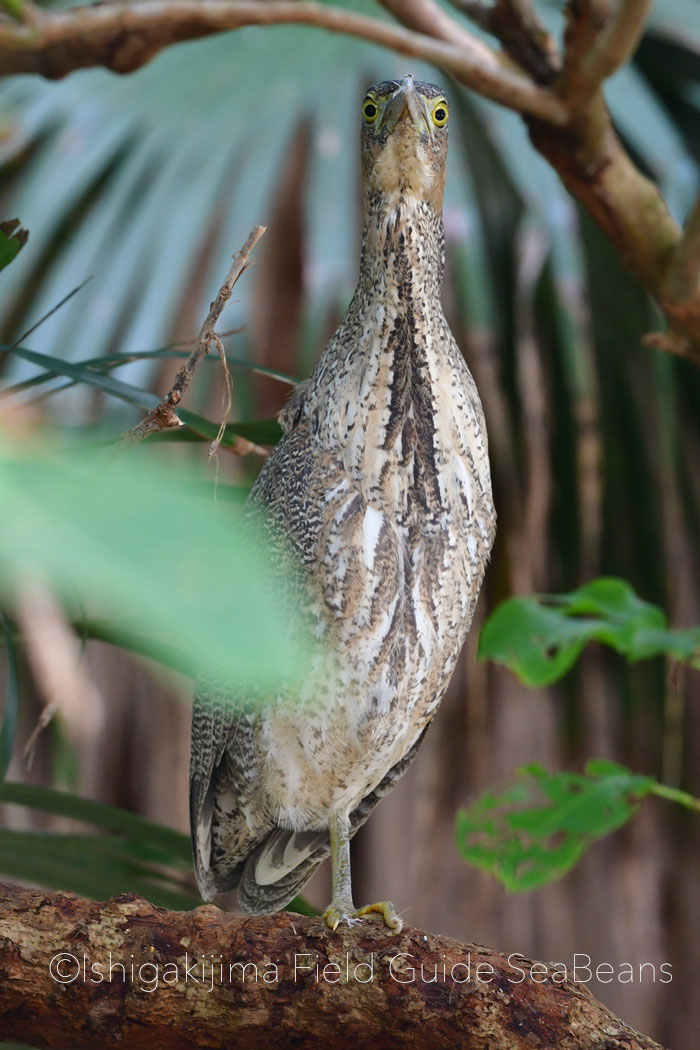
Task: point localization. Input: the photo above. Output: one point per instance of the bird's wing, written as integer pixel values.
(227, 822)
(213, 723)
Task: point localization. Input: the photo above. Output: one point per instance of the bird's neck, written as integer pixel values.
(392, 359)
(403, 253)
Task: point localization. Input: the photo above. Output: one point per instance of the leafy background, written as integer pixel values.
(146, 184)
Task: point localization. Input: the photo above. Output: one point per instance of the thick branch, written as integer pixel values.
(569, 122)
(593, 163)
(368, 990)
(586, 151)
(123, 37)
(600, 39)
(682, 287)
(520, 30)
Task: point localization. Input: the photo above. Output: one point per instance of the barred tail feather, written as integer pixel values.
(275, 872)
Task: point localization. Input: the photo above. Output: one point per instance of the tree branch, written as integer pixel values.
(600, 41)
(568, 120)
(164, 416)
(587, 153)
(520, 30)
(367, 993)
(124, 36)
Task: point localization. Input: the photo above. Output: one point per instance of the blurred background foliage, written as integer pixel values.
(146, 184)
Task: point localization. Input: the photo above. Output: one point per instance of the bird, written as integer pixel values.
(377, 500)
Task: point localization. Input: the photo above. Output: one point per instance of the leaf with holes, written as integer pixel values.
(535, 830)
(540, 637)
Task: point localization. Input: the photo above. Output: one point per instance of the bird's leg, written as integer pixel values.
(341, 908)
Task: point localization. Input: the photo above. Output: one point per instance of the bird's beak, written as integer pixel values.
(408, 104)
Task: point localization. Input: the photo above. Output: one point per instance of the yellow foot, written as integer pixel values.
(388, 912)
(339, 912)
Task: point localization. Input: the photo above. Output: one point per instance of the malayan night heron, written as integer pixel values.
(379, 493)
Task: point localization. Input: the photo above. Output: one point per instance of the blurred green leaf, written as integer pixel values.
(88, 866)
(11, 707)
(131, 854)
(110, 362)
(535, 830)
(134, 858)
(173, 846)
(540, 637)
(148, 556)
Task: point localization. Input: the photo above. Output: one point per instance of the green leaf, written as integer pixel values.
(130, 854)
(262, 432)
(537, 643)
(173, 846)
(131, 859)
(12, 239)
(87, 865)
(129, 538)
(10, 712)
(540, 637)
(109, 362)
(534, 831)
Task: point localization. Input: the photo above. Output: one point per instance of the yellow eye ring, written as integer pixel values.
(441, 113)
(370, 110)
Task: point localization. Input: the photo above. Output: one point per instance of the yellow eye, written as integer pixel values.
(440, 113)
(370, 110)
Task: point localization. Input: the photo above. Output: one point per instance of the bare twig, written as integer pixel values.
(228, 398)
(124, 37)
(427, 17)
(164, 415)
(520, 30)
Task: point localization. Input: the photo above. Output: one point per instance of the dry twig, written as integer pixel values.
(164, 416)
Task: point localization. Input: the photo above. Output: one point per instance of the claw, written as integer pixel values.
(388, 912)
(337, 913)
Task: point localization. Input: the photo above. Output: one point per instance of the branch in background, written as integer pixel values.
(428, 18)
(164, 415)
(600, 41)
(368, 986)
(588, 155)
(585, 20)
(520, 30)
(62, 677)
(123, 37)
(681, 290)
(594, 165)
(568, 120)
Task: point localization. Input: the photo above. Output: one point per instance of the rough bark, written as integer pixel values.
(359, 987)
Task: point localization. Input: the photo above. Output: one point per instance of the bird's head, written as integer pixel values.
(404, 142)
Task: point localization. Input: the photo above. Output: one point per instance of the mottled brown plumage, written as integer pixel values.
(379, 495)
